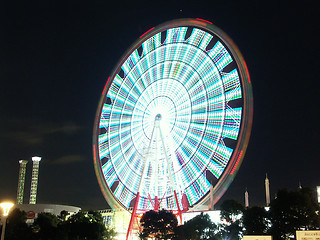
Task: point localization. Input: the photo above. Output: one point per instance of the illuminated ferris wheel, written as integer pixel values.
(174, 119)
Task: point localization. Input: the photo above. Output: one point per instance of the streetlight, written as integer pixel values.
(6, 208)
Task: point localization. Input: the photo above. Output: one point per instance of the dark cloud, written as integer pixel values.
(69, 159)
(31, 132)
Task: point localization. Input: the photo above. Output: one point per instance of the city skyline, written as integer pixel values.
(246, 197)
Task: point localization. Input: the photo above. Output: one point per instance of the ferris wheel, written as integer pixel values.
(174, 119)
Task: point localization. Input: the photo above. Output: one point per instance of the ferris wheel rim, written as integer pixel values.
(246, 122)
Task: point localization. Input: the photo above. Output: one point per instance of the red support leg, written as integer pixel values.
(156, 203)
(177, 202)
(133, 216)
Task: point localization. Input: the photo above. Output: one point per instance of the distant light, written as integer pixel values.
(6, 207)
(36, 158)
(267, 209)
(318, 193)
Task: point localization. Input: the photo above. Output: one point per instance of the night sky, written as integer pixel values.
(55, 58)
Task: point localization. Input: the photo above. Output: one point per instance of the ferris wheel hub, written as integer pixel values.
(158, 117)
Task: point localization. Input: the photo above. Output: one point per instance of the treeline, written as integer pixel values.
(79, 226)
(289, 212)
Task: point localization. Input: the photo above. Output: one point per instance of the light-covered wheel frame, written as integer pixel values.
(175, 115)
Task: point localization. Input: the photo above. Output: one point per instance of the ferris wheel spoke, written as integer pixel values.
(232, 121)
(220, 56)
(175, 35)
(151, 44)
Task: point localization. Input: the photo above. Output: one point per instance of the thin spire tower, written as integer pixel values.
(34, 180)
(22, 176)
(246, 199)
(266, 182)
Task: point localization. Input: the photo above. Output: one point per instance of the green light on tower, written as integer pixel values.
(22, 176)
(34, 180)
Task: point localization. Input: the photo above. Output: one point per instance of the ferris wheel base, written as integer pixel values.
(156, 205)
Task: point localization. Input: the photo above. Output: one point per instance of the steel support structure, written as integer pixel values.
(157, 202)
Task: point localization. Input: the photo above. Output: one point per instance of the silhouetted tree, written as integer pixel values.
(45, 226)
(198, 228)
(80, 226)
(16, 228)
(63, 215)
(256, 221)
(159, 225)
(231, 210)
(231, 213)
(89, 226)
(294, 210)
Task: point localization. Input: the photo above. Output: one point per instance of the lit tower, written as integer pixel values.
(34, 180)
(22, 176)
(266, 182)
(246, 199)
